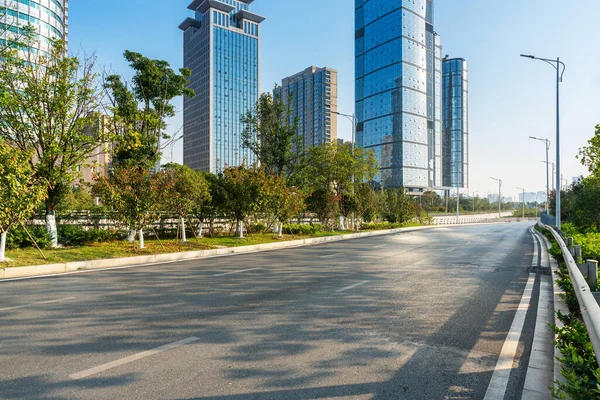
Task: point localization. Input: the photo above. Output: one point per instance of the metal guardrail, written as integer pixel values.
(590, 310)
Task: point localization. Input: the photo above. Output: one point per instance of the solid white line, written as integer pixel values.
(236, 272)
(534, 262)
(499, 382)
(380, 246)
(333, 255)
(352, 286)
(127, 360)
(35, 304)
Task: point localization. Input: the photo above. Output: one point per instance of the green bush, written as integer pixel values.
(74, 235)
(257, 228)
(18, 238)
(302, 229)
(580, 368)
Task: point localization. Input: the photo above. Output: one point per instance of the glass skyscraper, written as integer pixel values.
(398, 90)
(313, 100)
(455, 125)
(221, 47)
(50, 19)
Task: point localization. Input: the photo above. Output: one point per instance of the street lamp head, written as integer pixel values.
(527, 56)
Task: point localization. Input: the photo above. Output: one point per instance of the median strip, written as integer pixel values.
(127, 360)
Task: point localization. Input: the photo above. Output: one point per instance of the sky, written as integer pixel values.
(511, 98)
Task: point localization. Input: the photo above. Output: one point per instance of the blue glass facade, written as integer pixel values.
(221, 47)
(456, 123)
(50, 18)
(398, 90)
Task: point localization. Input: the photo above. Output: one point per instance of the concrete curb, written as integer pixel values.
(58, 269)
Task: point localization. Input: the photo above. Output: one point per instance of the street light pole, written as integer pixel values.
(547, 143)
(499, 196)
(557, 64)
(523, 201)
(354, 119)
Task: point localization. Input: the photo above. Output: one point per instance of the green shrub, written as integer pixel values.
(580, 368)
(18, 238)
(302, 229)
(74, 235)
(257, 228)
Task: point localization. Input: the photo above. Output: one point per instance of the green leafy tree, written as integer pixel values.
(583, 204)
(188, 191)
(134, 194)
(368, 201)
(271, 134)
(283, 202)
(216, 207)
(432, 201)
(246, 193)
(590, 154)
(140, 110)
(20, 190)
(46, 104)
(397, 207)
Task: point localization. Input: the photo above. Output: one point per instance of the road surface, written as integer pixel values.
(421, 315)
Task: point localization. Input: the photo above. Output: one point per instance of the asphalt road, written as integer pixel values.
(420, 315)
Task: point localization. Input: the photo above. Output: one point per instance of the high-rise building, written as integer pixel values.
(398, 90)
(50, 19)
(313, 99)
(221, 47)
(455, 122)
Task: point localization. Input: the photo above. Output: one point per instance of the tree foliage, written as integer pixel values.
(20, 190)
(46, 106)
(188, 190)
(590, 155)
(271, 134)
(140, 112)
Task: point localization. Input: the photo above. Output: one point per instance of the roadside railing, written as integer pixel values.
(590, 310)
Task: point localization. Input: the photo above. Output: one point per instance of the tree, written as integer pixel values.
(285, 202)
(20, 190)
(397, 206)
(432, 201)
(590, 154)
(139, 113)
(582, 205)
(217, 205)
(188, 191)
(337, 168)
(367, 202)
(46, 104)
(134, 194)
(271, 134)
(246, 193)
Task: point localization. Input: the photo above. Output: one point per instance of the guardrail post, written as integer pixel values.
(569, 242)
(592, 278)
(577, 254)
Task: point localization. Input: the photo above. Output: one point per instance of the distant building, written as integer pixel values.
(99, 162)
(221, 46)
(455, 123)
(532, 197)
(493, 198)
(398, 77)
(313, 100)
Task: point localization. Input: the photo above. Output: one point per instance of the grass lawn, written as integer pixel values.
(97, 251)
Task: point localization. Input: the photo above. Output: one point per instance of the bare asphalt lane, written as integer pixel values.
(421, 315)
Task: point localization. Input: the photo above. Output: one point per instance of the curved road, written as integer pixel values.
(421, 315)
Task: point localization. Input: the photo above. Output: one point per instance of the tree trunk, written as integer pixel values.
(183, 235)
(142, 245)
(341, 227)
(241, 229)
(276, 227)
(3, 246)
(51, 228)
(200, 228)
(131, 236)
(281, 230)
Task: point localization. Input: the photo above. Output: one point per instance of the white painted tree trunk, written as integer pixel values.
(52, 230)
(3, 246)
(280, 230)
(131, 236)
(241, 229)
(342, 227)
(200, 229)
(142, 245)
(183, 236)
(276, 227)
